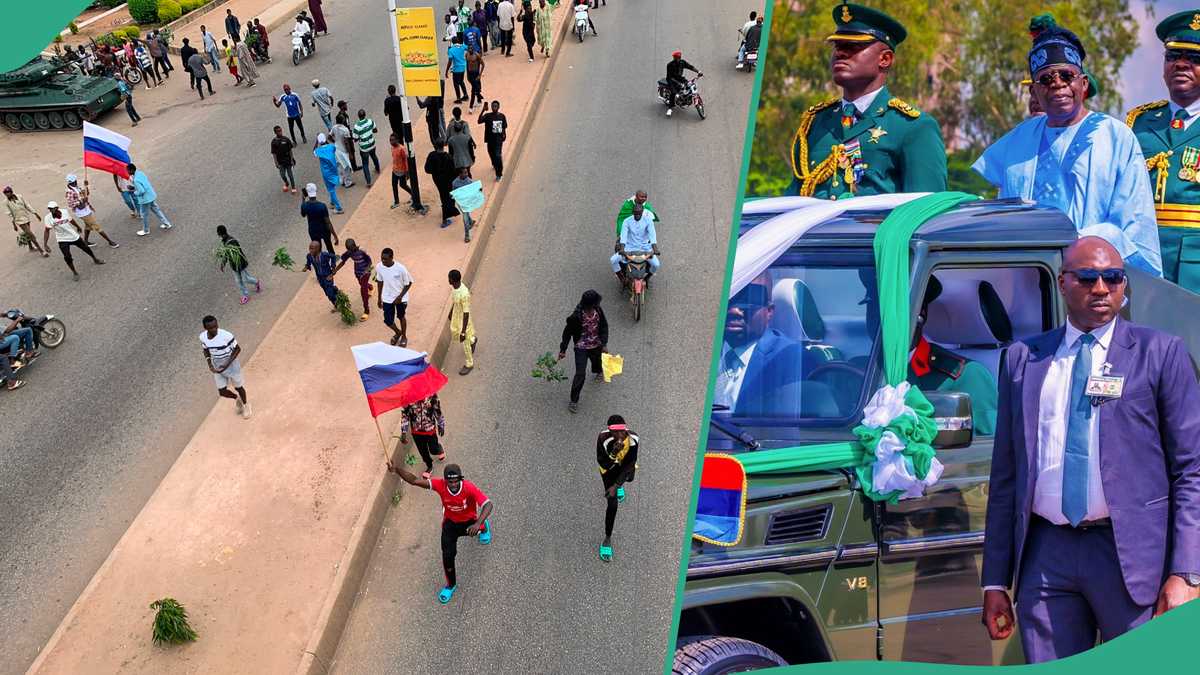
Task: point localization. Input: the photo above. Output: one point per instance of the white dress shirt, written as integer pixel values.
(729, 381)
(1193, 111)
(1052, 429)
(863, 102)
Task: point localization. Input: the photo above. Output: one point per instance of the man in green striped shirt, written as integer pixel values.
(364, 133)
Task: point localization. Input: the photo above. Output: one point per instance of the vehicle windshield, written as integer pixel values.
(798, 341)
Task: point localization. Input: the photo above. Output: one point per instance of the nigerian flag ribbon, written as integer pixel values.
(893, 455)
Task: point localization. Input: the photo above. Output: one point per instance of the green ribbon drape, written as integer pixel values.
(893, 278)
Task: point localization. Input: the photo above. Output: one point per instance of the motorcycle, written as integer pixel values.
(689, 95)
(301, 48)
(581, 23)
(749, 58)
(637, 269)
(48, 332)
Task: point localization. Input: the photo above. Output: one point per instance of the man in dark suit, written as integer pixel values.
(1094, 513)
(759, 373)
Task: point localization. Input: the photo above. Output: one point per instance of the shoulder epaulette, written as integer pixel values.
(1136, 112)
(950, 364)
(800, 141)
(902, 106)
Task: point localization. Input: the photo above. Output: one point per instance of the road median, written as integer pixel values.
(263, 527)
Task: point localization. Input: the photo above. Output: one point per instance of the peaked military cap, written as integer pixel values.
(856, 23)
(1181, 30)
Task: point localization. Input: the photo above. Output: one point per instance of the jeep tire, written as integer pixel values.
(711, 655)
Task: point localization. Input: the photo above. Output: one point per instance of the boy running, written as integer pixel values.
(616, 453)
(221, 351)
(465, 512)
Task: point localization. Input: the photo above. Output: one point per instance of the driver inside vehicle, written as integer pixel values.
(932, 367)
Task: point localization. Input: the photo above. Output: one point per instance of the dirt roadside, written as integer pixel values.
(263, 526)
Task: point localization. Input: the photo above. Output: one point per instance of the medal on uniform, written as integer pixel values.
(1176, 124)
(1188, 164)
(852, 163)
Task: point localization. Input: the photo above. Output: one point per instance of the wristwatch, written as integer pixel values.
(1190, 579)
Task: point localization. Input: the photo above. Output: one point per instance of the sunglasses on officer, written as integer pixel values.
(1067, 76)
(1113, 276)
(1173, 55)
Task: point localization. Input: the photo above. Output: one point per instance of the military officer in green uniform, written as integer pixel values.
(1170, 140)
(932, 367)
(867, 142)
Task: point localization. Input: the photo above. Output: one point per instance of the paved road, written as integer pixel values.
(538, 599)
(104, 417)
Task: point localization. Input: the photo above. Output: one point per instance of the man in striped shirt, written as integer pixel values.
(221, 351)
(364, 133)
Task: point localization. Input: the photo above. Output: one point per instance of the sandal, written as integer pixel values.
(15, 384)
(393, 340)
(446, 593)
(606, 553)
(620, 494)
(403, 342)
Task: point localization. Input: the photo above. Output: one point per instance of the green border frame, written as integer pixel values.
(764, 52)
(30, 26)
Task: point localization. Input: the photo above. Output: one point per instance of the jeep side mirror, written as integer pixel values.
(952, 412)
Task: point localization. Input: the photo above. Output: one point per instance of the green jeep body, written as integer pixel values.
(821, 572)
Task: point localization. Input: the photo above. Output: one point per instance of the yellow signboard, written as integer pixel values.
(417, 32)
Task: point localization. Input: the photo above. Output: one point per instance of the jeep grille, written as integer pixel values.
(790, 527)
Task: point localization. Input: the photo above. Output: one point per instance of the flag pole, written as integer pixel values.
(382, 445)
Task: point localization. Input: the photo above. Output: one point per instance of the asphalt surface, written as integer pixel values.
(538, 599)
(103, 417)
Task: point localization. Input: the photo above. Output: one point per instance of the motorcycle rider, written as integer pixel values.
(13, 337)
(752, 37)
(304, 30)
(637, 234)
(742, 32)
(581, 12)
(639, 198)
(675, 79)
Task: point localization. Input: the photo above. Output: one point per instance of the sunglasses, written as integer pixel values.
(1087, 276)
(751, 296)
(1066, 76)
(1173, 55)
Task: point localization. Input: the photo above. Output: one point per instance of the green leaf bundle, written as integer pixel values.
(171, 623)
(283, 260)
(342, 304)
(547, 369)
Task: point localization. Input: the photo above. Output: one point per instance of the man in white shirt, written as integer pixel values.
(637, 234)
(1094, 508)
(221, 351)
(392, 282)
(210, 48)
(505, 14)
(67, 234)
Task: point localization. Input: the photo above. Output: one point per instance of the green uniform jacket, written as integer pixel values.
(1176, 185)
(899, 149)
(950, 372)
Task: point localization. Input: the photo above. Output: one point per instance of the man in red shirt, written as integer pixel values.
(465, 512)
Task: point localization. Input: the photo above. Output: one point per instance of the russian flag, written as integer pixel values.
(394, 377)
(105, 150)
(721, 504)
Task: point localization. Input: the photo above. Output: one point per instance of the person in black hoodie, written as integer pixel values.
(616, 453)
(588, 327)
(185, 53)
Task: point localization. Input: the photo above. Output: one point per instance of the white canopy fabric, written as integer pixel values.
(763, 245)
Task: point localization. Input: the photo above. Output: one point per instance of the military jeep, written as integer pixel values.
(822, 573)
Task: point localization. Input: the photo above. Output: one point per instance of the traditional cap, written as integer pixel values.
(52, 205)
(1181, 30)
(1041, 24)
(856, 23)
(311, 189)
(320, 138)
(316, 82)
(617, 427)
(676, 53)
(1055, 46)
(71, 178)
(7, 188)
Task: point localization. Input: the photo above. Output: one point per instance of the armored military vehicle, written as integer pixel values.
(39, 97)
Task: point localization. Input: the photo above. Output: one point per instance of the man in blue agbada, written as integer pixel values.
(1084, 163)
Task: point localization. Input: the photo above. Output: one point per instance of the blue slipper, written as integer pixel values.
(620, 494)
(446, 593)
(606, 553)
(485, 537)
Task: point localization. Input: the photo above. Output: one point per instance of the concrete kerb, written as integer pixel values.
(322, 647)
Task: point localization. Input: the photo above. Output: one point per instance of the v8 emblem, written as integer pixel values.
(856, 583)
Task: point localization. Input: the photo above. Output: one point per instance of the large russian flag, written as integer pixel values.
(721, 504)
(105, 150)
(394, 377)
